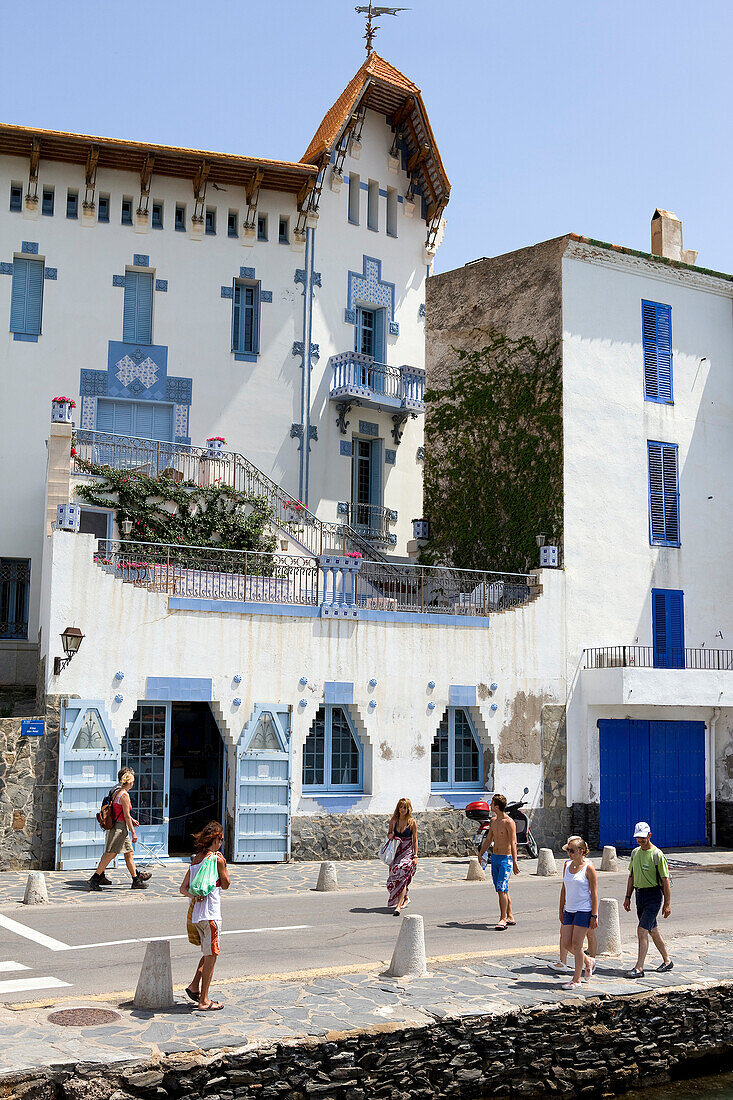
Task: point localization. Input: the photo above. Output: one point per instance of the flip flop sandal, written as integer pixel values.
(511, 923)
(561, 968)
(215, 1006)
(193, 996)
(500, 927)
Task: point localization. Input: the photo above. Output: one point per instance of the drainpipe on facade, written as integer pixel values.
(711, 775)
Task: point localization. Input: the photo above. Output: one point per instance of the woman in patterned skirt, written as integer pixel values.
(403, 829)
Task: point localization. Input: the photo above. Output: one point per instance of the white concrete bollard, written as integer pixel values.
(155, 984)
(408, 957)
(327, 878)
(609, 927)
(476, 872)
(609, 859)
(546, 865)
(35, 889)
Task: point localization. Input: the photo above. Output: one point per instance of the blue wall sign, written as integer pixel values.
(32, 727)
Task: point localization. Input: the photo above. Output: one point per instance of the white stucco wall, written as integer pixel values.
(133, 630)
(251, 404)
(610, 566)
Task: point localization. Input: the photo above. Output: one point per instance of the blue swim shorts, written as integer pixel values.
(501, 872)
(581, 918)
(648, 903)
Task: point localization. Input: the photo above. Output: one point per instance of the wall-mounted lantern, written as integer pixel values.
(71, 639)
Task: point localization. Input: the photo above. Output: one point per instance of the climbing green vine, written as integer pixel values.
(493, 456)
(168, 511)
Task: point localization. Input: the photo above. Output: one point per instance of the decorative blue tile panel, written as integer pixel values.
(394, 328)
(93, 383)
(179, 390)
(334, 692)
(420, 454)
(369, 288)
(421, 310)
(50, 272)
(350, 316)
(390, 457)
(367, 428)
(143, 364)
(265, 295)
(298, 347)
(161, 284)
(140, 260)
(227, 292)
(31, 247)
(118, 280)
(183, 689)
(299, 276)
(246, 273)
(316, 278)
(6, 268)
(346, 448)
(462, 695)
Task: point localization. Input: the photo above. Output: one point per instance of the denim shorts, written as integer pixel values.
(648, 904)
(581, 918)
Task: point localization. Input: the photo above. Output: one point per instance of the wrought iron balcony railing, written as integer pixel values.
(371, 522)
(213, 574)
(640, 656)
(358, 379)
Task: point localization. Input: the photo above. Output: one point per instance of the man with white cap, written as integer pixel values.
(649, 876)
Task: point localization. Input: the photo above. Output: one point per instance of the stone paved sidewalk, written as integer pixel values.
(259, 1011)
(258, 879)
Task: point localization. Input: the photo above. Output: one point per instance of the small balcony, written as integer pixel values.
(370, 521)
(647, 676)
(359, 380)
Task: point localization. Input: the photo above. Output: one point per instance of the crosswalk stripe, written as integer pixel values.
(18, 985)
(7, 966)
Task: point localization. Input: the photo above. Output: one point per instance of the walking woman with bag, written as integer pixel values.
(403, 829)
(204, 882)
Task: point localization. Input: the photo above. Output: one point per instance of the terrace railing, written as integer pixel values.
(157, 458)
(372, 522)
(208, 573)
(639, 656)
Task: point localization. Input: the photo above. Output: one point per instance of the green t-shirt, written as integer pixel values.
(641, 865)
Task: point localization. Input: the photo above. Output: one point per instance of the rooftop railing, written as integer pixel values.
(639, 656)
(214, 574)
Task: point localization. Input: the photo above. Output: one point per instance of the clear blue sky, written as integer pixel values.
(551, 115)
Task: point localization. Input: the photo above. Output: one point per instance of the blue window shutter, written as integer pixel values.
(659, 625)
(137, 318)
(375, 476)
(380, 321)
(26, 297)
(256, 319)
(162, 422)
(105, 421)
(656, 323)
(129, 309)
(664, 500)
(237, 317)
(668, 628)
(143, 420)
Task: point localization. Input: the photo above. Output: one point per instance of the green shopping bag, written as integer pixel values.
(206, 877)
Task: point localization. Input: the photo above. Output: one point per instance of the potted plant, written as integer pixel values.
(61, 410)
(215, 446)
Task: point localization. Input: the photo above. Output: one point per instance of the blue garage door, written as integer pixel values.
(655, 772)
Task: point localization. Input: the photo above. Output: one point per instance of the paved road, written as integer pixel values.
(79, 946)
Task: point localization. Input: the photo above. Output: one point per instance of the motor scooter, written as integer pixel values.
(480, 812)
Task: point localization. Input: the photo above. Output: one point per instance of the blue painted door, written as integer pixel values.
(655, 772)
(89, 759)
(146, 750)
(262, 811)
(668, 628)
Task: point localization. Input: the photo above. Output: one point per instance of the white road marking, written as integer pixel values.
(18, 985)
(184, 936)
(31, 934)
(6, 966)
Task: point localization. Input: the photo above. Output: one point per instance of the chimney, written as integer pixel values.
(667, 238)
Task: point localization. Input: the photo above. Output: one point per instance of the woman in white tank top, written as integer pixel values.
(578, 907)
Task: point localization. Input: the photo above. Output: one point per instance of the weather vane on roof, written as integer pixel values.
(372, 12)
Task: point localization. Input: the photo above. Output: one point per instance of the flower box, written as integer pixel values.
(68, 517)
(215, 446)
(61, 408)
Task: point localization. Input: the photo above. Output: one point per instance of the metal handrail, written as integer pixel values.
(635, 656)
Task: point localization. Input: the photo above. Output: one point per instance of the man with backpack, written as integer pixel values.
(649, 876)
(115, 818)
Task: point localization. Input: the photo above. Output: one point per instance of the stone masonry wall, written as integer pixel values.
(360, 836)
(28, 792)
(596, 1048)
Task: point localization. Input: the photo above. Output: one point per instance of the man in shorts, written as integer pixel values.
(649, 876)
(502, 833)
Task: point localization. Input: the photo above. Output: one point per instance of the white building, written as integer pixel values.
(644, 453)
(176, 296)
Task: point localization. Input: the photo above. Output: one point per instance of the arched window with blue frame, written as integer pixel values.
(456, 756)
(332, 757)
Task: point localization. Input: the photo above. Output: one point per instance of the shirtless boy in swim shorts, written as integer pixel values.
(502, 833)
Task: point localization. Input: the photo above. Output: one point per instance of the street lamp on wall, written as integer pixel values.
(71, 639)
(126, 526)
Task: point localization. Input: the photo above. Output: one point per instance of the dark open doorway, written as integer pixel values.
(196, 774)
